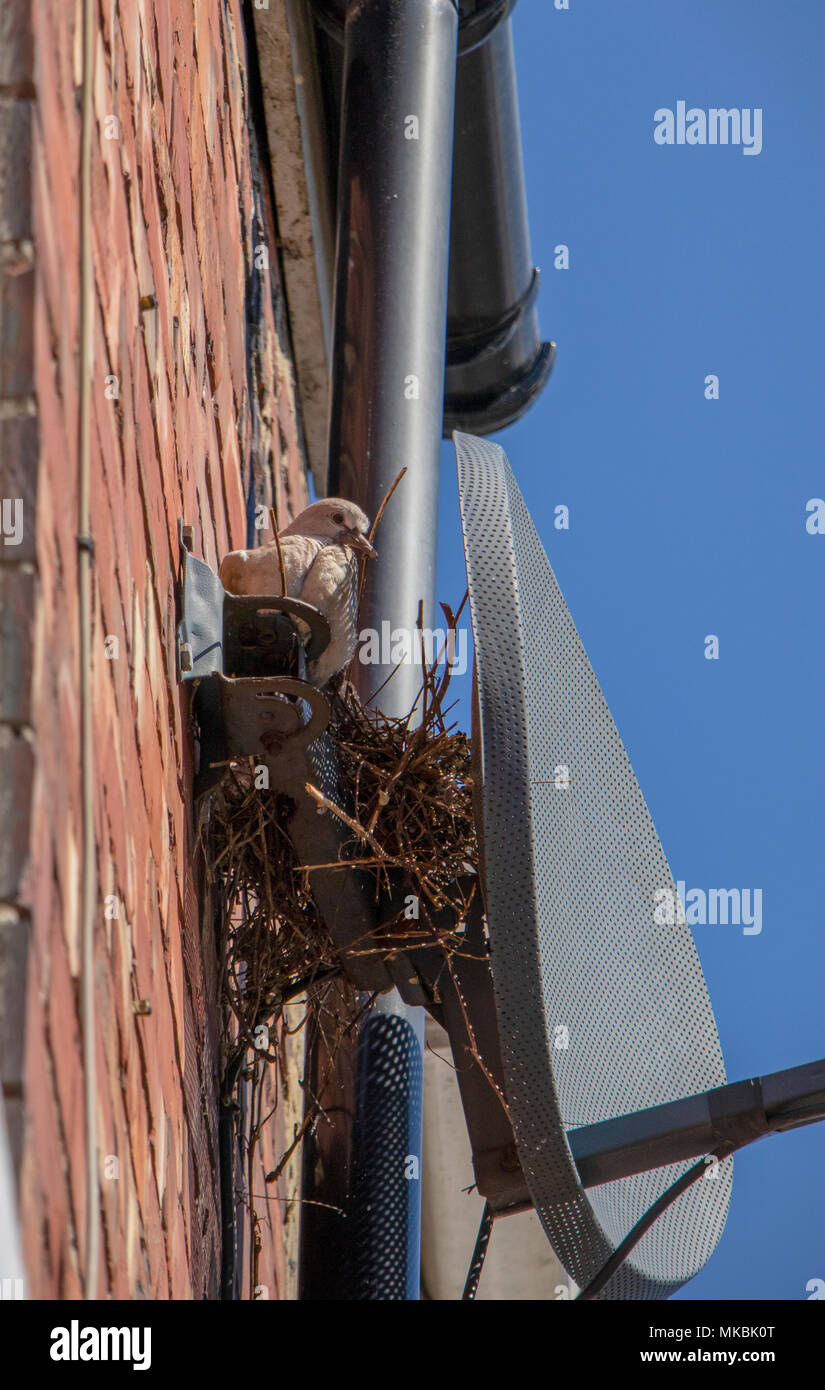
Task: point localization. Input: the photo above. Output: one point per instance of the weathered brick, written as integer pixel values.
(16, 48)
(171, 214)
(15, 930)
(15, 168)
(19, 440)
(16, 329)
(17, 594)
(17, 759)
(66, 1048)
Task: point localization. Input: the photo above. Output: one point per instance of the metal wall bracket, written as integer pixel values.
(240, 635)
(248, 656)
(245, 652)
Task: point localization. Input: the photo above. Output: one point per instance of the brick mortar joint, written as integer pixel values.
(17, 255)
(19, 908)
(18, 407)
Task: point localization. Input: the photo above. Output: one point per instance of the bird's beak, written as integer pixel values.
(356, 541)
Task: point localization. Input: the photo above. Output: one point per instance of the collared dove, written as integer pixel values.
(320, 551)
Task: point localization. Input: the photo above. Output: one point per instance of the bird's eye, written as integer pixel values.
(338, 518)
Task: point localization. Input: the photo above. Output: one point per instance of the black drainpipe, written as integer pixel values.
(389, 60)
(496, 362)
(389, 324)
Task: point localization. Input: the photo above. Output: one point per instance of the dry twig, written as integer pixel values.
(409, 817)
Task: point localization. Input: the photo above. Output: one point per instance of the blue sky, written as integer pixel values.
(688, 515)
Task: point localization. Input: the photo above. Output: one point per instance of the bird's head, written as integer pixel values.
(334, 520)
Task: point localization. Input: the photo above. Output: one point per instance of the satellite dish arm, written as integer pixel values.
(734, 1115)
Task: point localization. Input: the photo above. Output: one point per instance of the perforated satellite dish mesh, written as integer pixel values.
(572, 875)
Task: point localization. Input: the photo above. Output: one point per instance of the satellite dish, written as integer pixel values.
(602, 1009)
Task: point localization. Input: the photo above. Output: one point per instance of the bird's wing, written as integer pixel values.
(259, 572)
(332, 586)
(331, 578)
(300, 554)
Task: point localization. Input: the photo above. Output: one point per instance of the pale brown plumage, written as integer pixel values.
(320, 550)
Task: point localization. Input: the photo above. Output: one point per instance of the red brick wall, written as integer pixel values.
(203, 402)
